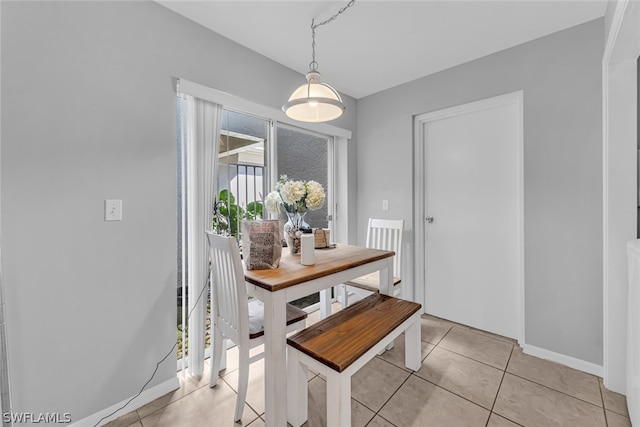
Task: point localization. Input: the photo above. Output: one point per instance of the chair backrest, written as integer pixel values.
(229, 292)
(386, 234)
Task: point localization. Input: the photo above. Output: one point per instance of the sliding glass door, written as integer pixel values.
(304, 155)
(254, 152)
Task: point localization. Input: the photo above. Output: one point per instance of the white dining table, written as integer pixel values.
(292, 281)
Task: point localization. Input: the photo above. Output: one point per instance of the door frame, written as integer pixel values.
(619, 150)
(514, 98)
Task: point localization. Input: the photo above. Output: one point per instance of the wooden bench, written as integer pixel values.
(339, 345)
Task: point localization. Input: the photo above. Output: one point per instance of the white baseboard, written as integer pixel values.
(572, 362)
(145, 397)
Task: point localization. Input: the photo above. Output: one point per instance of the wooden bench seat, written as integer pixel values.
(339, 345)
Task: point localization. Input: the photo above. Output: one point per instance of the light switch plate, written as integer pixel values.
(385, 205)
(112, 210)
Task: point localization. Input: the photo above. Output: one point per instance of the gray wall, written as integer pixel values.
(561, 78)
(88, 113)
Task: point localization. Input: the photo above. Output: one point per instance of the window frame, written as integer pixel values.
(336, 165)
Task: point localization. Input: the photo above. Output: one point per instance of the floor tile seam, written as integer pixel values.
(443, 321)
(124, 415)
(422, 359)
(553, 389)
(475, 360)
(440, 340)
(618, 413)
(380, 356)
(495, 399)
(180, 398)
(444, 335)
(606, 420)
(137, 415)
(405, 369)
(602, 393)
(468, 346)
(158, 410)
(505, 417)
(604, 409)
(483, 334)
(627, 416)
(258, 415)
(454, 393)
(230, 386)
(490, 335)
(259, 418)
(377, 413)
(472, 329)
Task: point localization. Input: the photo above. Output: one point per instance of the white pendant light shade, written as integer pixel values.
(314, 101)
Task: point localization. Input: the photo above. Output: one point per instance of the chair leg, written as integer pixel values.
(216, 356)
(243, 381)
(345, 295)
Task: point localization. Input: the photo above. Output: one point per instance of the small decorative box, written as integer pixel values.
(322, 237)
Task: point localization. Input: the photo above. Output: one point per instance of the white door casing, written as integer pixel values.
(619, 168)
(469, 179)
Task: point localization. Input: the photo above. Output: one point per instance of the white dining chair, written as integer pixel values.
(385, 234)
(236, 317)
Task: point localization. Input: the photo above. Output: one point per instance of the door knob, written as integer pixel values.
(429, 219)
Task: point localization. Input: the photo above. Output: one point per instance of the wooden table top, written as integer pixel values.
(328, 261)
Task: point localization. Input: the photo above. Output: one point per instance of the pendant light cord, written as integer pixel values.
(314, 65)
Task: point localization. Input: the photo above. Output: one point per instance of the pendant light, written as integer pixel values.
(315, 101)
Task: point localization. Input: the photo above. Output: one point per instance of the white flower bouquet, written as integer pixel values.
(295, 198)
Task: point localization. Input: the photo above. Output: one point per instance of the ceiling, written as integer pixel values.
(375, 45)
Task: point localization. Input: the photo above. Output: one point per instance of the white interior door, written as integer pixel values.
(472, 187)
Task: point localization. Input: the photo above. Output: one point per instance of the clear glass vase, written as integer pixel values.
(293, 230)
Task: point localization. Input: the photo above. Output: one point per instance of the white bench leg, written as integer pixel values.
(338, 399)
(412, 354)
(297, 389)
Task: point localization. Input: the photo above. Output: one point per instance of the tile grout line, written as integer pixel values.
(604, 409)
(476, 360)
(452, 392)
(553, 389)
(504, 373)
(411, 373)
(515, 375)
(377, 413)
(447, 390)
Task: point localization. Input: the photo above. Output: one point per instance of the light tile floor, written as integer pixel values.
(468, 378)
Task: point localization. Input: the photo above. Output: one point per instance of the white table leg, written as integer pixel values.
(386, 278)
(386, 286)
(325, 303)
(412, 354)
(275, 362)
